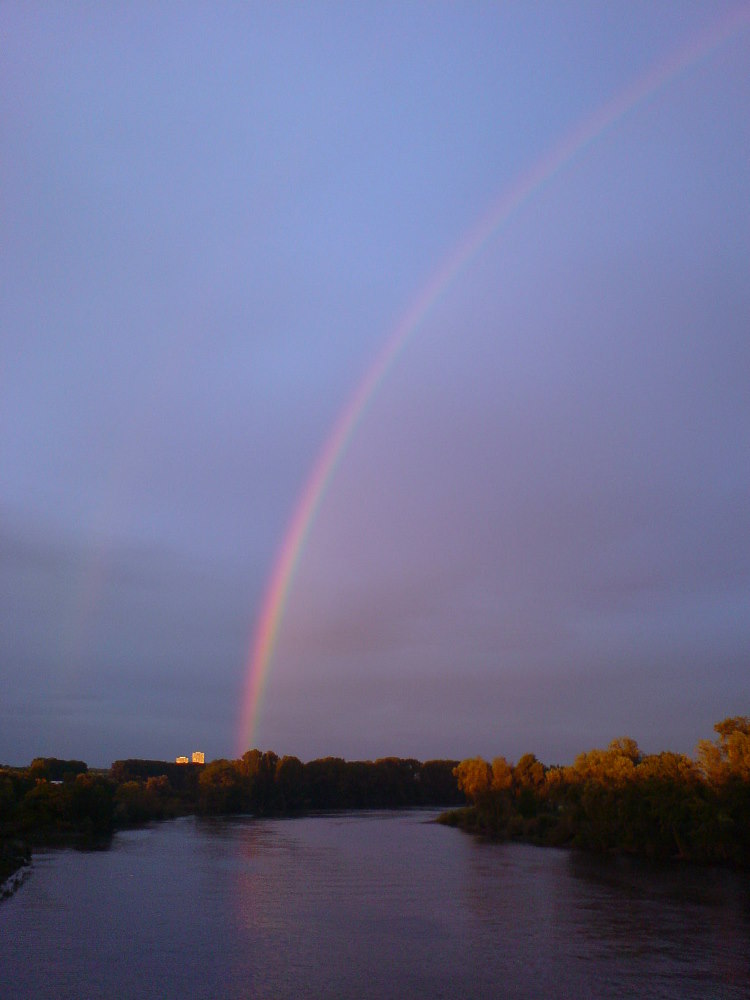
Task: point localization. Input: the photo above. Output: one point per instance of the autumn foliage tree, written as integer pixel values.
(659, 805)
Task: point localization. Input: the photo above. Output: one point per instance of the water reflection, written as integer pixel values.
(683, 922)
(367, 906)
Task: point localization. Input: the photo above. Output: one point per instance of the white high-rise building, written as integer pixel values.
(199, 757)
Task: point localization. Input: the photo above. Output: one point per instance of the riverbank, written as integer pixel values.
(652, 841)
(15, 865)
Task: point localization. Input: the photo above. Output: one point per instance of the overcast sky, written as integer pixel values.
(213, 216)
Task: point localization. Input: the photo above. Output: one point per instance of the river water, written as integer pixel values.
(366, 905)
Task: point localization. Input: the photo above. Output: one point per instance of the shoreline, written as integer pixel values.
(456, 819)
(14, 881)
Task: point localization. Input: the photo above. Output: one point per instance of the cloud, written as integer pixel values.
(103, 636)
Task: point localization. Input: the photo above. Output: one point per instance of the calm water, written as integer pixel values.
(365, 905)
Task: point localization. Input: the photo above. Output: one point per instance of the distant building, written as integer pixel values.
(198, 757)
(181, 760)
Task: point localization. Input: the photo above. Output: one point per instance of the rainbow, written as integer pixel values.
(499, 212)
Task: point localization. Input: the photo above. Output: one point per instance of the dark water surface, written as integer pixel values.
(366, 905)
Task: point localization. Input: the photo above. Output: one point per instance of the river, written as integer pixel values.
(365, 905)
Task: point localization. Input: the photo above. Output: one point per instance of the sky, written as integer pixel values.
(536, 534)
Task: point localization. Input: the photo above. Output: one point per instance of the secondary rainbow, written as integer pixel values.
(330, 456)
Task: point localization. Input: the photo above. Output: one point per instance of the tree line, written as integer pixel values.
(662, 805)
(264, 784)
(56, 802)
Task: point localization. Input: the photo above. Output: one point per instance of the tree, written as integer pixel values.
(220, 788)
(729, 755)
(290, 787)
(626, 747)
(474, 778)
(502, 775)
(529, 772)
(437, 783)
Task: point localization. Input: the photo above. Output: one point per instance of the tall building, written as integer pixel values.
(198, 757)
